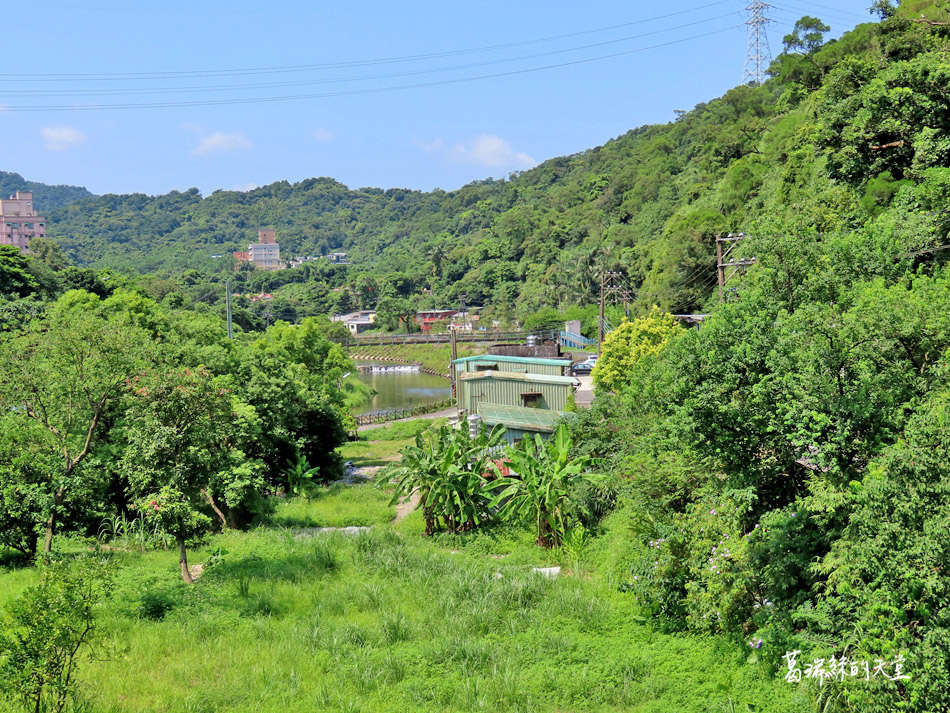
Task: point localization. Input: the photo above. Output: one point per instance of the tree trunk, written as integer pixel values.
(183, 559)
(544, 534)
(214, 506)
(51, 521)
(430, 523)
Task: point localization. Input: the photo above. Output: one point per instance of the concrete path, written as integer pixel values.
(585, 392)
(444, 413)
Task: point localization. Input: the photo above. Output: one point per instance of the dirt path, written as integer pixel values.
(403, 509)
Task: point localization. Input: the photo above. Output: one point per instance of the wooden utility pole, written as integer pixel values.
(736, 265)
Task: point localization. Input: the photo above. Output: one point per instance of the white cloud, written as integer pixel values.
(321, 134)
(222, 142)
(429, 146)
(60, 138)
(245, 187)
(491, 150)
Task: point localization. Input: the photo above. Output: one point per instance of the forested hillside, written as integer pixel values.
(47, 198)
(846, 134)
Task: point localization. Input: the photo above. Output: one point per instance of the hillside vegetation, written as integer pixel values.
(846, 134)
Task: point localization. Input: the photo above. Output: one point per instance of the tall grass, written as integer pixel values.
(383, 622)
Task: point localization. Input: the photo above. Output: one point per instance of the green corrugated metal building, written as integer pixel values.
(529, 365)
(536, 391)
(518, 421)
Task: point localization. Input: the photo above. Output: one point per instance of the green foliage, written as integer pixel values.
(447, 469)
(540, 490)
(629, 343)
(49, 629)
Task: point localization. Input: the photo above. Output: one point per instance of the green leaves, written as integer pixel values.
(540, 488)
(49, 628)
(447, 469)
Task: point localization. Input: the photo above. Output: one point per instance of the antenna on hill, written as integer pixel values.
(758, 56)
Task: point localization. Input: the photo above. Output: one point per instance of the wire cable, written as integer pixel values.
(352, 92)
(334, 65)
(267, 85)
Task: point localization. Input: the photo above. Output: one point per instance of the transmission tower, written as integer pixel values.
(758, 55)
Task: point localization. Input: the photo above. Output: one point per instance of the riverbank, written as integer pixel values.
(434, 358)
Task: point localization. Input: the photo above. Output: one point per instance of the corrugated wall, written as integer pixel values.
(508, 393)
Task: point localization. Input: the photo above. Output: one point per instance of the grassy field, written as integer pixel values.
(387, 620)
(381, 446)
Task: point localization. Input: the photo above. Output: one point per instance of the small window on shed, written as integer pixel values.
(486, 367)
(532, 399)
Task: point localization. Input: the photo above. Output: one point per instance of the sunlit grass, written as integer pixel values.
(336, 506)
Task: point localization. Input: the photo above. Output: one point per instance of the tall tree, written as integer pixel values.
(179, 449)
(63, 372)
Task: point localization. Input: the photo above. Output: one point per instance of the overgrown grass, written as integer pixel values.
(388, 622)
(337, 505)
(370, 453)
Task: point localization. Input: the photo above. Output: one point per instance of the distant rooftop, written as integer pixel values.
(536, 361)
(518, 376)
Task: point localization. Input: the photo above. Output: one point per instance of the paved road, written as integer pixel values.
(585, 392)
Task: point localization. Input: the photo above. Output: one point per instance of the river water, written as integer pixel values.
(402, 389)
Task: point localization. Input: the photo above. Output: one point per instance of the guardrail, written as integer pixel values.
(460, 336)
(383, 416)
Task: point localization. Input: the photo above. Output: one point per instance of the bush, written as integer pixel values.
(49, 627)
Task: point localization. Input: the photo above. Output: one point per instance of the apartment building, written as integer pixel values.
(19, 221)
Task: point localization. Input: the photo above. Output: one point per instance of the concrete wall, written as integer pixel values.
(543, 351)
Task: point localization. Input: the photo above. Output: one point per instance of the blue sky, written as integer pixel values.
(486, 112)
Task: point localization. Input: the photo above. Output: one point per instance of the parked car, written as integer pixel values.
(585, 367)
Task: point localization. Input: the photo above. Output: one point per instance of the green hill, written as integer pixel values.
(47, 198)
(846, 133)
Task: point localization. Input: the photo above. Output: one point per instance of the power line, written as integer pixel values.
(351, 92)
(831, 10)
(227, 87)
(110, 76)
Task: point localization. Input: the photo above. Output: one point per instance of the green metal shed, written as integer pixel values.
(519, 421)
(529, 365)
(537, 391)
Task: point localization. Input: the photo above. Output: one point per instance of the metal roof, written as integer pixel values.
(521, 360)
(518, 376)
(525, 419)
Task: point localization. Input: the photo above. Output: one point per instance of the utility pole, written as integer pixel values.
(452, 370)
(227, 286)
(600, 321)
(736, 265)
(758, 55)
(612, 285)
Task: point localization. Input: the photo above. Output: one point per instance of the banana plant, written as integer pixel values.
(447, 469)
(542, 481)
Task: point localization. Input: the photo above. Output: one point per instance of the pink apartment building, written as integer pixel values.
(19, 221)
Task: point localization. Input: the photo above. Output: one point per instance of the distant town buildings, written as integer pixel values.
(338, 258)
(430, 319)
(264, 254)
(19, 221)
(357, 322)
